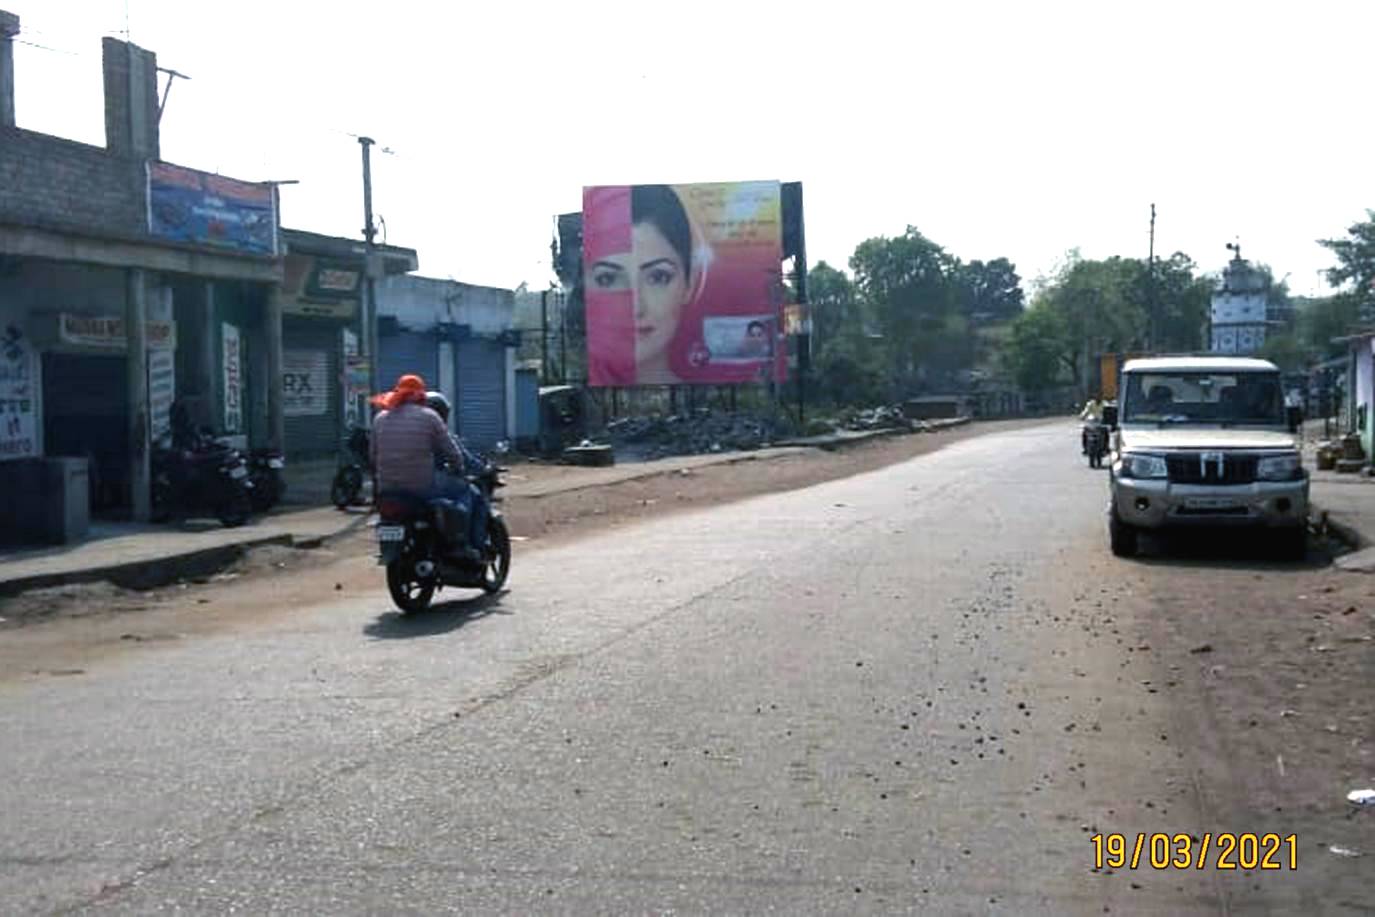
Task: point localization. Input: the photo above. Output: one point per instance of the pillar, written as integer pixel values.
(208, 373)
(136, 376)
(272, 325)
(9, 27)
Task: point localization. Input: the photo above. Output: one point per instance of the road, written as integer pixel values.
(921, 689)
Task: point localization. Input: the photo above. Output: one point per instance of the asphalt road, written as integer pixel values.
(911, 690)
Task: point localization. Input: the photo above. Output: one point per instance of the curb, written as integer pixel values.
(162, 571)
(145, 574)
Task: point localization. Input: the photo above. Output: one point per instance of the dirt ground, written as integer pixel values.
(56, 629)
(1271, 673)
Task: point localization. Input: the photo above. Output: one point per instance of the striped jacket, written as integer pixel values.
(405, 444)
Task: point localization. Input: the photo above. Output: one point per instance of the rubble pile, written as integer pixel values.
(704, 432)
(883, 417)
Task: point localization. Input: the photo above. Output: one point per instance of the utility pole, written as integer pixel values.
(544, 337)
(1150, 286)
(368, 337)
(563, 338)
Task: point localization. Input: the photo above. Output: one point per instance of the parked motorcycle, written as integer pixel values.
(355, 463)
(266, 469)
(419, 558)
(204, 477)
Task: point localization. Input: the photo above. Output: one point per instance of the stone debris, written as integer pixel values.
(699, 434)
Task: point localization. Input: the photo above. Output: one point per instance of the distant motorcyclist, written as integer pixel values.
(407, 438)
(452, 485)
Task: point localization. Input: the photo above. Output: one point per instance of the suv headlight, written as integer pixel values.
(1279, 468)
(1135, 465)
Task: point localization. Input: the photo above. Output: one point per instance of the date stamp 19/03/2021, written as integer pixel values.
(1190, 851)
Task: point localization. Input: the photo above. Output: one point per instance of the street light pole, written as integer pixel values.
(369, 317)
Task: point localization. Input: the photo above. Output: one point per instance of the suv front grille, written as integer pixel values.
(1192, 469)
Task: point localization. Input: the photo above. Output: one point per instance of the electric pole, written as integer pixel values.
(544, 337)
(1150, 288)
(368, 336)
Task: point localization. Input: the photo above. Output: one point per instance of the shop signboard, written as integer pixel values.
(19, 388)
(185, 205)
(162, 391)
(106, 332)
(233, 378)
(305, 383)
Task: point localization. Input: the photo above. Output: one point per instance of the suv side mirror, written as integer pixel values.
(1110, 416)
(1294, 416)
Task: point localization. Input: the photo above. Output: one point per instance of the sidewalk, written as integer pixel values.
(146, 556)
(1347, 502)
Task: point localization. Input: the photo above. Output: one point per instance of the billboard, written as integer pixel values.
(204, 209)
(683, 283)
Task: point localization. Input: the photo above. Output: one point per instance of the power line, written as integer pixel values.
(34, 44)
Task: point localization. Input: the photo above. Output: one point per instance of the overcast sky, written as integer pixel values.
(1018, 129)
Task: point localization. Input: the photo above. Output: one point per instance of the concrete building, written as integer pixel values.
(461, 338)
(1239, 317)
(125, 282)
(324, 380)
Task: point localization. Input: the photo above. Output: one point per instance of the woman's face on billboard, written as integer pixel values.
(655, 272)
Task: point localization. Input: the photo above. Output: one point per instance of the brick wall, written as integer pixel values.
(51, 182)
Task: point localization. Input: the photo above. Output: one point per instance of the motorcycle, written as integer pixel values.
(266, 472)
(356, 461)
(420, 560)
(201, 477)
(1095, 443)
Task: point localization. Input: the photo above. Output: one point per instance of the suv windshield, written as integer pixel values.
(1203, 397)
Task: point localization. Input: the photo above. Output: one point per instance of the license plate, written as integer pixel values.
(391, 532)
(238, 471)
(276, 463)
(1209, 503)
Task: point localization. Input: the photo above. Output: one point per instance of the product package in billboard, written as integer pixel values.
(683, 283)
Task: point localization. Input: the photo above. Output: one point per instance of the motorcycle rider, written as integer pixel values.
(407, 439)
(452, 485)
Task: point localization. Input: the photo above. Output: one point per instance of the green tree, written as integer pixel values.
(907, 283)
(1355, 270)
(1287, 351)
(1318, 321)
(833, 304)
(990, 290)
(1037, 347)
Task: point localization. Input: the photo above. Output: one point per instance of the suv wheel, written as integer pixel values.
(1122, 536)
(1293, 543)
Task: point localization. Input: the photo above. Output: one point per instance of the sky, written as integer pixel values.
(1018, 130)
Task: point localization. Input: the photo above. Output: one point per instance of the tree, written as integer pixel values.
(990, 290)
(1183, 299)
(1318, 321)
(1090, 307)
(907, 282)
(833, 304)
(1286, 351)
(1036, 347)
(1355, 268)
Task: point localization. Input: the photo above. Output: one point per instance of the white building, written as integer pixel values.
(460, 339)
(1238, 319)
